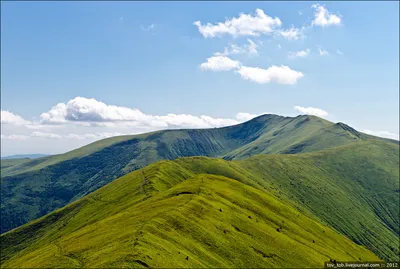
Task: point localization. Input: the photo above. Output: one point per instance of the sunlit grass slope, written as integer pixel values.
(203, 221)
(34, 188)
(219, 213)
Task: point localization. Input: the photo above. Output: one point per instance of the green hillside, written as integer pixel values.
(266, 211)
(34, 188)
(6, 164)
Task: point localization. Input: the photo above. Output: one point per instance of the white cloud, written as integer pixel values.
(278, 46)
(148, 28)
(94, 136)
(45, 135)
(301, 53)
(89, 110)
(57, 114)
(84, 111)
(279, 74)
(220, 63)
(323, 18)
(321, 51)
(83, 120)
(249, 49)
(242, 116)
(190, 121)
(244, 25)
(14, 137)
(339, 52)
(385, 134)
(10, 118)
(91, 136)
(311, 111)
(293, 33)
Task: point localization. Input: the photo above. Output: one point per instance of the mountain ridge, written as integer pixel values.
(230, 198)
(34, 188)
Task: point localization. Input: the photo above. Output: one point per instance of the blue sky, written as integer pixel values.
(116, 66)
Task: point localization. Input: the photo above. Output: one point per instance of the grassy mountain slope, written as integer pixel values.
(40, 163)
(202, 221)
(35, 188)
(171, 210)
(9, 163)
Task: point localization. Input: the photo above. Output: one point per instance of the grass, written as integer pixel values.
(205, 221)
(205, 212)
(31, 189)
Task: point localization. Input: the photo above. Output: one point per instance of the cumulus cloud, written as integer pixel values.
(219, 63)
(70, 132)
(242, 117)
(249, 49)
(10, 118)
(293, 33)
(301, 53)
(56, 114)
(279, 74)
(311, 111)
(384, 134)
(83, 120)
(244, 25)
(88, 110)
(323, 18)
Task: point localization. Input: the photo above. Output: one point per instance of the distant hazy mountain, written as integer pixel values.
(24, 156)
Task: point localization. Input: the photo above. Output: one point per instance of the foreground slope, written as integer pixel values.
(34, 188)
(204, 221)
(212, 211)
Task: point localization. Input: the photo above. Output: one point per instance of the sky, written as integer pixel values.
(76, 72)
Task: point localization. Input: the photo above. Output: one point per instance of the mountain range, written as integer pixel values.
(24, 156)
(316, 190)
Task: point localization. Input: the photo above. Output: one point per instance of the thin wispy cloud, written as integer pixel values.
(301, 53)
(339, 52)
(14, 137)
(384, 134)
(249, 49)
(321, 51)
(148, 28)
(293, 33)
